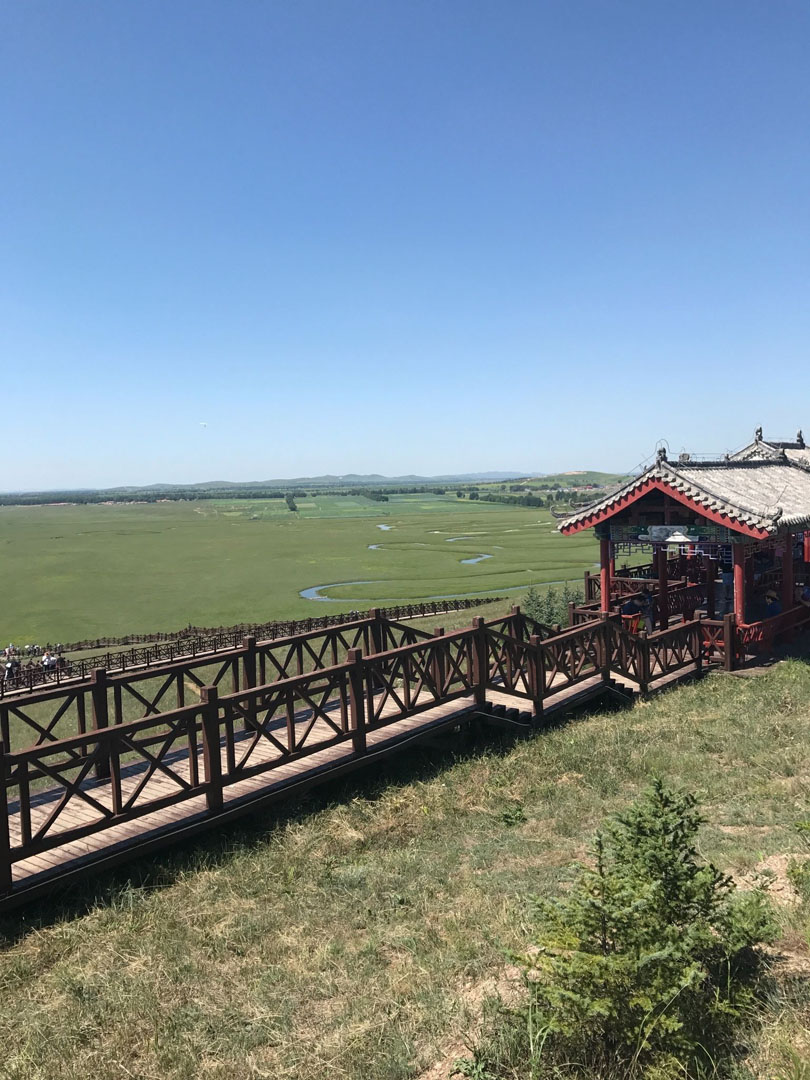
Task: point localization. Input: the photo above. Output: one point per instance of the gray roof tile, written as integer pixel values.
(769, 492)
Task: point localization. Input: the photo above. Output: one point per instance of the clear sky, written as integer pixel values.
(414, 236)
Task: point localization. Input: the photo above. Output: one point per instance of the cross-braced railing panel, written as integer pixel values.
(399, 683)
(44, 717)
(265, 727)
(715, 638)
(626, 653)
(416, 677)
(101, 778)
(289, 657)
(510, 664)
(458, 668)
(573, 656)
(674, 649)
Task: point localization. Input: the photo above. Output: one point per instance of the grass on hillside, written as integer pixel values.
(355, 933)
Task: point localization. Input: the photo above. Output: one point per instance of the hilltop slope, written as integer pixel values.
(355, 934)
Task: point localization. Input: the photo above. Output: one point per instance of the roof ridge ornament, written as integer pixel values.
(660, 455)
(758, 435)
(800, 439)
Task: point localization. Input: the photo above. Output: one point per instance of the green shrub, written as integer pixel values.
(644, 967)
(533, 604)
(551, 606)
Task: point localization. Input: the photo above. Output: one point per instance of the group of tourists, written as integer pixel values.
(640, 610)
(32, 650)
(48, 660)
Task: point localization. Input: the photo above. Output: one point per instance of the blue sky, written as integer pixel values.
(422, 236)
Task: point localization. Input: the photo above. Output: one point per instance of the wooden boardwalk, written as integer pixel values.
(76, 805)
(33, 875)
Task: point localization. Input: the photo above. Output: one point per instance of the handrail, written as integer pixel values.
(221, 740)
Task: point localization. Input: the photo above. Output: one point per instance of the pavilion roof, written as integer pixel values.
(774, 449)
(756, 495)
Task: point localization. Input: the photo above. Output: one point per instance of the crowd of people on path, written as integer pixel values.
(19, 663)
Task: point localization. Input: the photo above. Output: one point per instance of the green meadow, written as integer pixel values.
(69, 572)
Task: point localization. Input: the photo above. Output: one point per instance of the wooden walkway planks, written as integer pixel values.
(298, 732)
(323, 763)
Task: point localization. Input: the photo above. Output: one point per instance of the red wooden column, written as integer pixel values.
(663, 589)
(749, 580)
(787, 574)
(605, 575)
(738, 555)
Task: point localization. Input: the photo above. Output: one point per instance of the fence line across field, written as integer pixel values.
(196, 641)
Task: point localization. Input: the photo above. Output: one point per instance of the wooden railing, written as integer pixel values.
(758, 637)
(625, 580)
(197, 641)
(279, 702)
(64, 789)
(112, 699)
(52, 713)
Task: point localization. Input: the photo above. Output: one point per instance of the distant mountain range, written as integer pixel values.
(209, 488)
(328, 480)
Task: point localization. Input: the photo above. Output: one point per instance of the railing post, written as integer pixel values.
(537, 678)
(730, 641)
(377, 631)
(605, 643)
(437, 665)
(357, 700)
(480, 659)
(249, 673)
(517, 622)
(212, 754)
(571, 613)
(5, 839)
(643, 662)
(98, 696)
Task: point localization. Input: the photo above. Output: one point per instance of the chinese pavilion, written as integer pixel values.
(740, 519)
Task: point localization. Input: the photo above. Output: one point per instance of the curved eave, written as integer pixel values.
(637, 491)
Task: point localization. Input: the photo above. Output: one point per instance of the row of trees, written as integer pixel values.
(39, 498)
(516, 495)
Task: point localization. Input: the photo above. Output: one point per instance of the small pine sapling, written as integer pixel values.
(652, 953)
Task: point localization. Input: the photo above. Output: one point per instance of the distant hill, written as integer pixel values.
(582, 478)
(332, 483)
(286, 483)
(332, 480)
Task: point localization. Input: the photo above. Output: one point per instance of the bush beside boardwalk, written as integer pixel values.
(354, 934)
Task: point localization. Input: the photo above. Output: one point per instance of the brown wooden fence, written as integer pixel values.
(119, 770)
(197, 641)
(52, 713)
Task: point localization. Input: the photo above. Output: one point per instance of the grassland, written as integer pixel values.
(354, 935)
(69, 572)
